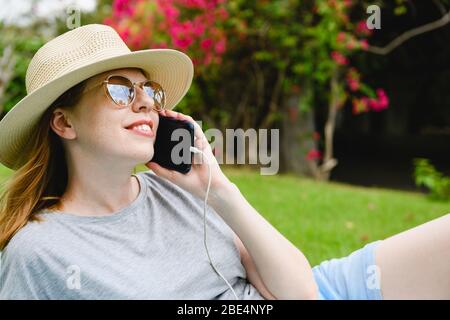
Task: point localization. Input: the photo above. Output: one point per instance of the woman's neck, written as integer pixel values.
(84, 204)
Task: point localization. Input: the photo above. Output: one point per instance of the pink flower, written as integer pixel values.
(313, 154)
(341, 37)
(220, 46)
(347, 3)
(166, 26)
(382, 102)
(362, 28)
(364, 44)
(175, 30)
(206, 44)
(339, 58)
(183, 43)
(353, 79)
(373, 104)
(353, 84)
(124, 33)
(223, 13)
(171, 13)
(135, 39)
(208, 58)
(161, 45)
(198, 4)
(381, 93)
(122, 8)
(377, 104)
(198, 29)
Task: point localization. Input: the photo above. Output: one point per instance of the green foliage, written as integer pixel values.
(400, 7)
(26, 40)
(426, 175)
(25, 45)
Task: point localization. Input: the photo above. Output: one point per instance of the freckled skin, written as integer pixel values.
(100, 124)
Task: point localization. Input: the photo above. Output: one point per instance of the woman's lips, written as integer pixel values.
(137, 131)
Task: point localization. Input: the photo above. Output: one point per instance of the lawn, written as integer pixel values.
(327, 220)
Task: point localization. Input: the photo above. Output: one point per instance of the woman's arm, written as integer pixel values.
(282, 267)
(250, 268)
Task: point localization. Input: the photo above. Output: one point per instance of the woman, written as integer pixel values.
(76, 224)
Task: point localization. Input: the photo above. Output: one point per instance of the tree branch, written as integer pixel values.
(440, 7)
(410, 34)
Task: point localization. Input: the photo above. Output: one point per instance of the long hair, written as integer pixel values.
(42, 180)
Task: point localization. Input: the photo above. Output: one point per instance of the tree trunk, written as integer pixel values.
(322, 171)
(296, 135)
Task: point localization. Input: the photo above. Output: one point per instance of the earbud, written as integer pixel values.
(195, 150)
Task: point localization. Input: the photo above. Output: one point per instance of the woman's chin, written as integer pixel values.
(142, 158)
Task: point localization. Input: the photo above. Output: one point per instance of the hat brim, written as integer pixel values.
(171, 68)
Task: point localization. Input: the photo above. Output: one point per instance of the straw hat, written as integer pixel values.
(76, 56)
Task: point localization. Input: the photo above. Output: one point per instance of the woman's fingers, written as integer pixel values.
(178, 115)
(170, 175)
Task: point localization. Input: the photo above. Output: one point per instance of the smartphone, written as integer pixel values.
(174, 137)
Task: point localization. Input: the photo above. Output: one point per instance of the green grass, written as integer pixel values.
(328, 220)
(4, 174)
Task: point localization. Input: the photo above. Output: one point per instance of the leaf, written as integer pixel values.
(400, 10)
(367, 90)
(263, 56)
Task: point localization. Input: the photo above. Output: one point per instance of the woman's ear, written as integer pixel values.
(61, 124)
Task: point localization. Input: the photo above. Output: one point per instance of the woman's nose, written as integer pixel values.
(142, 100)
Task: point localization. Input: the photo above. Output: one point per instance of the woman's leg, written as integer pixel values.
(415, 264)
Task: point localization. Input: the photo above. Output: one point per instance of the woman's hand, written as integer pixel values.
(196, 180)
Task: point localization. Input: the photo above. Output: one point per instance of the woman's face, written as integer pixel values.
(99, 127)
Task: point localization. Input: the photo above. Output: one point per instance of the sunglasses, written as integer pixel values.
(122, 91)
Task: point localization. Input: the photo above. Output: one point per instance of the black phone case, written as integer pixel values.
(163, 144)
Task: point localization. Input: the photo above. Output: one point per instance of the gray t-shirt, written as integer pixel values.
(151, 249)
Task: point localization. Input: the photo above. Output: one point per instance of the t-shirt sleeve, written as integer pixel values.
(20, 270)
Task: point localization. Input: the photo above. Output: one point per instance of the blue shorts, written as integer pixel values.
(355, 277)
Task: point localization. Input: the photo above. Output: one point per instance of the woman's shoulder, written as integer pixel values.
(158, 184)
(152, 179)
(22, 263)
(27, 241)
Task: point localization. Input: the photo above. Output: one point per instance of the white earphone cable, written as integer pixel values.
(195, 150)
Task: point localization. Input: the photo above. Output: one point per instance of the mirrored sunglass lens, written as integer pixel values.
(120, 90)
(155, 91)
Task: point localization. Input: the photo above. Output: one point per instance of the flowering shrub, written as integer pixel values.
(349, 39)
(191, 26)
(275, 50)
